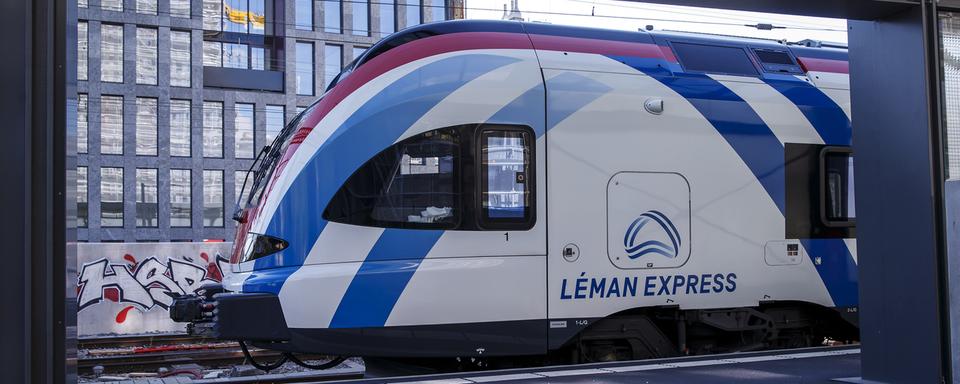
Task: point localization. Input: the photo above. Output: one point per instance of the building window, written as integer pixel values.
(414, 16)
(212, 129)
(244, 16)
(82, 50)
(231, 55)
(146, 126)
(180, 128)
(180, 190)
(304, 15)
(388, 17)
(275, 122)
(111, 125)
(180, 58)
(212, 198)
(111, 5)
(148, 7)
(243, 142)
(82, 118)
(111, 55)
(358, 51)
(180, 8)
(438, 10)
(212, 11)
(361, 17)
(303, 65)
(504, 176)
(240, 190)
(235, 56)
(81, 3)
(147, 213)
(332, 63)
(332, 16)
(212, 54)
(111, 197)
(82, 211)
(258, 58)
(147, 56)
(300, 109)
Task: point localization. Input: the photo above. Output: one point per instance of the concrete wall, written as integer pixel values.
(122, 287)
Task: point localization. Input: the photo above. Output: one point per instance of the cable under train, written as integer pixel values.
(482, 188)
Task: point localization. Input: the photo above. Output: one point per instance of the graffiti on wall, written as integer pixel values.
(129, 287)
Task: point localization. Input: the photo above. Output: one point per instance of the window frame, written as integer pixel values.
(822, 187)
(481, 183)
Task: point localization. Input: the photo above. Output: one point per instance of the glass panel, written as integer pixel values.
(950, 44)
(180, 8)
(82, 3)
(146, 56)
(147, 6)
(83, 216)
(212, 129)
(82, 118)
(304, 14)
(111, 125)
(358, 51)
(437, 10)
(212, 54)
(82, 50)
(361, 17)
(413, 13)
(180, 128)
(838, 169)
(111, 55)
(212, 198)
(180, 198)
(301, 109)
(332, 63)
(412, 184)
(303, 66)
(332, 16)
(505, 192)
(212, 11)
(147, 198)
(257, 58)
(180, 58)
(258, 17)
(146, 126)
(388, 17)
(235, 16)
(235, 56)
(238, 177)
(111, 197)
(111, 5)
(275, 122)
(243, 131)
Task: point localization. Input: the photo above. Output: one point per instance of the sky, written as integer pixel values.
(628, 15)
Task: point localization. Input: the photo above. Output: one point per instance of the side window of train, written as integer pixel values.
(413, 184)
(838, 208)
(506, 189)
(708, 58)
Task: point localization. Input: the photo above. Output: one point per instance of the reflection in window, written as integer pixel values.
(81, 3)
(414, 16)
(212, 9)
(258, 59)
(437, 10)
(180, 8)
(212, 129)
(243, 131)
(212, 198)
(180, 58)
(111, 197)
(358, 51)
(83, 217)
(239, 190)
(82, 118)
(412, 184)
(304, 14)
(332, 16)
(146, 126)
(257, 16)
(147, 56)
(82, 50)
(840, 202)
(148, 7)
(303, 65)
(332, 63)
(212, 54)
(111, 5)
(388, 17)
(361, 17)
(301, 109)
(235, 56)
(147, 212)
(111, 53)
(275, 122)
(111, 125)
(180, 198)
(180, 128)
(504, 194)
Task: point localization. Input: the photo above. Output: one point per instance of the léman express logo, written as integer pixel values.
(666, 244)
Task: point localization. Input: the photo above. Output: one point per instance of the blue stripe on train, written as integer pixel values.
(823, 113)
(836, 269)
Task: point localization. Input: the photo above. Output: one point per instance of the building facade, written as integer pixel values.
(177, 97)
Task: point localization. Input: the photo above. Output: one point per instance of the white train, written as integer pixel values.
(476, 188)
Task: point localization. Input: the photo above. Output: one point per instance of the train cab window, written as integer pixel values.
(838, 208)
(505, 174)
(714, 59)
(413, 184)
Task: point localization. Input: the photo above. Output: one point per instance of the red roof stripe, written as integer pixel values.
(810, 64)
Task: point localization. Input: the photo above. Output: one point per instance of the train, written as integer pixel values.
(485, 189)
